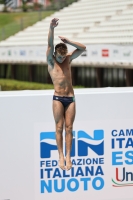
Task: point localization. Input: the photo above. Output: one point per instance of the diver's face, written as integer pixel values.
(59, 57)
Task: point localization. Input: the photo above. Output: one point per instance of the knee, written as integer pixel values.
(68, 129)
(59, 129)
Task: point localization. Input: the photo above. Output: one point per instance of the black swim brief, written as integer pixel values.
(64, 100)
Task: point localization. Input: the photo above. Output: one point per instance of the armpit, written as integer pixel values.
(51, 63)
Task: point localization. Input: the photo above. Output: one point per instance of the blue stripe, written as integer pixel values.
(47, 135)
(98, 135)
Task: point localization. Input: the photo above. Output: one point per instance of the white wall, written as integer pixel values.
(24, 114)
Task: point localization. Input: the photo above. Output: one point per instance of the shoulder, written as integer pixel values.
(68, 56)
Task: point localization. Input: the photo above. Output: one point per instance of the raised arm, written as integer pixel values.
(80, 48)
(50, 48)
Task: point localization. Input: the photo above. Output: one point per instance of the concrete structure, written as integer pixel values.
(105, 27)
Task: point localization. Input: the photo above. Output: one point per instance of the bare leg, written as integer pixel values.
(69, 119)
(58, 111)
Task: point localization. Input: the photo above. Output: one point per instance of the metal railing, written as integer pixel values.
(22, 23)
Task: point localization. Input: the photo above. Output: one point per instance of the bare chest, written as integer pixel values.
(61, 71)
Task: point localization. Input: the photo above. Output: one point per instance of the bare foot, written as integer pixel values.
(61, 163)
(68, 163)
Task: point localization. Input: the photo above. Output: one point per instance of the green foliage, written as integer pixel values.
(7, 85)
(2, 1)
(24, 6)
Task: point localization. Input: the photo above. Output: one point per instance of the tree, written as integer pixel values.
(2, 2)
(24, 6)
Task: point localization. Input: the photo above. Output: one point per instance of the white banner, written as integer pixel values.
(110, 54)
(102, 158)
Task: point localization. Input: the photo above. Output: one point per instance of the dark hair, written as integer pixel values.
(61, 48)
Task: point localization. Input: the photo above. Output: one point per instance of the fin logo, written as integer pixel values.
(47, 144)
(84, 143)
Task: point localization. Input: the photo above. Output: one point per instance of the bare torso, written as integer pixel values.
(61, 77)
